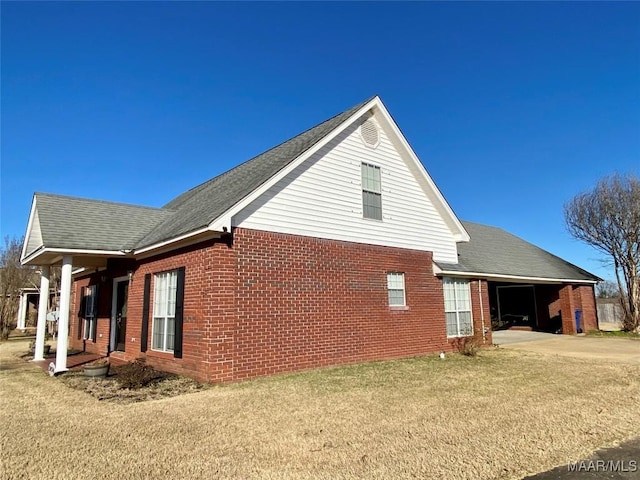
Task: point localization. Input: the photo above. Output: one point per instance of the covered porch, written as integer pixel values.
(71, 262)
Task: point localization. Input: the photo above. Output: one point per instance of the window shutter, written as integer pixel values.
(177, 348)
(144, 333)
(81, 312)
(94, 313)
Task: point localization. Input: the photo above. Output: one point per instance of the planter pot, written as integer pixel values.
(96, 371)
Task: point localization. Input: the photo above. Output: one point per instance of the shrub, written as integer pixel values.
(467, 346)
(137, 374)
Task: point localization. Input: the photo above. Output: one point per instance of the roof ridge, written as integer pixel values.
(93, 200)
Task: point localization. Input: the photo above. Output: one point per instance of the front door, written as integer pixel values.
(119, 316)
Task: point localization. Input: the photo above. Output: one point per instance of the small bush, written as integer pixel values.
(138, 374)
(467, 346)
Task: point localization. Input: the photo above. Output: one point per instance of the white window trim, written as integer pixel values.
(458, 310)
(404, 289)
(371, 191)
(164, 348)
(90, 322)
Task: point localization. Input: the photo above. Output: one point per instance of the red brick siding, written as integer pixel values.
(304, 302)
(478, 324)
(76, 323)
(271, 303)
(586, 301)
(208, 311)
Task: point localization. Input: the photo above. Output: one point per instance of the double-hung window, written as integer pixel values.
(457, 307)
(371, 192)
(395, 287)
(90, 312)
(164, 310)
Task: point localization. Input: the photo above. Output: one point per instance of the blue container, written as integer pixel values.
(579, 321)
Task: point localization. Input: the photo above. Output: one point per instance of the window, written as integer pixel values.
(164, 311)
(90, 312)
(457, 307)
(395, 286)
(371, 192)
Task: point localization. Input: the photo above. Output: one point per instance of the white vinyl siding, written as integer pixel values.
(323, 198)
(164, 311)
(34, 241)
(457, 307)
(395, 287)
(371, 192)
(90, 298)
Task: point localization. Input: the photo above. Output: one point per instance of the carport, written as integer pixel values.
(528, 287)
(538, 307)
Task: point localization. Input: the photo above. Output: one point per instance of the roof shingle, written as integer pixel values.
(79, 223)
(198, 207)
(493, 251)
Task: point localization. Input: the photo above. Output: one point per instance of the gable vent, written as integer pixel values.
(369, 133)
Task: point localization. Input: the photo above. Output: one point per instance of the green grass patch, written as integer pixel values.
(614, 334)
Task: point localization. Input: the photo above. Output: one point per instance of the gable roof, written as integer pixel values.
(198, 207)
(61, 222)
(494, 252)
(79, 223)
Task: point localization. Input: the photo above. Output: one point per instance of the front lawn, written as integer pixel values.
(503, 414)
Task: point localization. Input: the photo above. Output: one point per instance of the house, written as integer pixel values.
(333, 247)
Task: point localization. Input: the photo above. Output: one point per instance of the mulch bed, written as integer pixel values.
(132, 382)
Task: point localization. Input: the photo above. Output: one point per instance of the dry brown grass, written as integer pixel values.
(502, 414)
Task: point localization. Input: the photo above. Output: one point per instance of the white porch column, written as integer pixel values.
(63, 319)
(43, 304)
(22, 312)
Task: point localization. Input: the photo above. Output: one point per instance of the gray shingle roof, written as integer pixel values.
(198, 207)
(493, 251)
(70, 222)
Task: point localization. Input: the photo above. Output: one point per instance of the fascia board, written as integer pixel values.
(461, 235)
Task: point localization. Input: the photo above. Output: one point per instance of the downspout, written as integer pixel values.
(484, 333)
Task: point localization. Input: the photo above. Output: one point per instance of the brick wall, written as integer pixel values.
(103, 323)
(481, 312)
(270, 303)
(304, 302)
(586, 301)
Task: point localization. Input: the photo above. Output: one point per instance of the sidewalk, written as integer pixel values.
(615, 463)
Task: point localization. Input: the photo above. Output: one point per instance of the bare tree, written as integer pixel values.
(608, 218)
(607, 289)
(13, 277)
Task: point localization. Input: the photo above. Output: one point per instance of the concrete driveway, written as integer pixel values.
(624, 350)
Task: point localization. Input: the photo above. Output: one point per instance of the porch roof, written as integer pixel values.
(61, 223)
(496, 253)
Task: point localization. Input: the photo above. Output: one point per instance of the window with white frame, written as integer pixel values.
(164, 310)
(395, 287)
(90, 312)
(371, 192)
(457, 307)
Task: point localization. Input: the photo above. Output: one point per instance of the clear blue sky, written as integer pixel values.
(512, 107)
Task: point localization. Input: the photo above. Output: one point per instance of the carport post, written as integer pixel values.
(567, 309)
